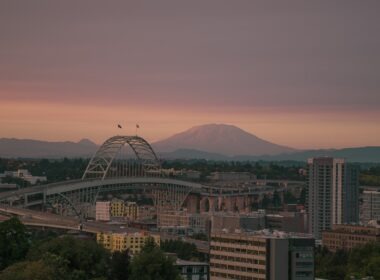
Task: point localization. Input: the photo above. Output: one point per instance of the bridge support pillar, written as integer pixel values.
(192, 204)
(170, 197)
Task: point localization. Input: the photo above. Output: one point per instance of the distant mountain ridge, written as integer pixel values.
(222, 139)
(212, 142)
(358, 154)
(28, 148)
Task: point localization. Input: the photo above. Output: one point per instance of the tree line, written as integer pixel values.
(24, 257)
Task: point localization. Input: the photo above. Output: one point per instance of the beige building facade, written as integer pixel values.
(261, 256)
(133, 242)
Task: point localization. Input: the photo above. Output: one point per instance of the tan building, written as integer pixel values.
(131, 211)
(117, 208)
(261, 255)
(346, 237)
(103, 211)
(123, 241)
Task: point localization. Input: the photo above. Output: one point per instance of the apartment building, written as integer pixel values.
(117, 208)
(132, 241)
(261, 255)
(103, 211)
(332, 194)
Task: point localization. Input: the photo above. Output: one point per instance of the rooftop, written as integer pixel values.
(271, 234)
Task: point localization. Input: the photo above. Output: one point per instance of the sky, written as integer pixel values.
(305, 74)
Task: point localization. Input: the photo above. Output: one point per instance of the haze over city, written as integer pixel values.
(189, 140)
(297, 73)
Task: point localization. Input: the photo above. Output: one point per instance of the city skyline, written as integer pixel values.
(304, 75)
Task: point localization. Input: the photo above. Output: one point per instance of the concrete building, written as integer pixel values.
(187, 223)
(103, 211)
(234, 221)
(117, 208)
(133, 241)
(370, 206)
(253, 221)
(346, 237)
(131, 211)
(332, 194)
(261, 255)
(190, 270)
(25, 175)
(287, 221)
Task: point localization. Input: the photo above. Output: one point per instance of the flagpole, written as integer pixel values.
(137, 127)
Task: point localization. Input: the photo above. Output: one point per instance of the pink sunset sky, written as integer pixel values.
(305, 74)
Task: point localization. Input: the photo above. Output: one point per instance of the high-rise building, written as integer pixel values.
(261, 255)
(332, 194)
(370, 207)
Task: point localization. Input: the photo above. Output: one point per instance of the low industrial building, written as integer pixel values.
(346, 237)
(190, 270)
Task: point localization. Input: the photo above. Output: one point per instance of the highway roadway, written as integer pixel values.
(49, 220)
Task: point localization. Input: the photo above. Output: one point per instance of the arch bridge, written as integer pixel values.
(106, 173)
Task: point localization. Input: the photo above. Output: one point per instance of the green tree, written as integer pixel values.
(184, 250)
(14, 242)
(28, 270)
(152, 264)
(85, 259)
(289, 198)
(119, 266)
(276, 200)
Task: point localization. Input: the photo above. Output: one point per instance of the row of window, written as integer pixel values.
(239, 241)
(234, 276)
(238, 250)
(238, 268)
(237, 259)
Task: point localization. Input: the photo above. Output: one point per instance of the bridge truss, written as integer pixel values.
(109, 170)
(105, 163)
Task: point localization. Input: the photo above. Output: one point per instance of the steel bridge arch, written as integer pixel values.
(103, 158)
